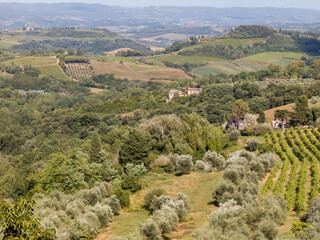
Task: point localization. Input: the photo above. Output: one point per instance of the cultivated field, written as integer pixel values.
(169, 36)
(79, 71)
(137, 71)
(213, 65)
(296, 176)
(47, 65)
(271, 56)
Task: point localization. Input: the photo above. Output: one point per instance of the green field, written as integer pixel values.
(35, 61)
(6, 45)
(271, 56)
(53, 70)
(228, 67)
(240, 42)
(114, 59)
(180, 59)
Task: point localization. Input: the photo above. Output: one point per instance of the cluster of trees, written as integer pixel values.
(97, 46)
(252, 31)
(240, 215)
(166, 212)
(278, 42)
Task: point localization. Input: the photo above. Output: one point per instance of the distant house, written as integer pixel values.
(277, 124)
(173, 93)
(194, 91)
(191, 91)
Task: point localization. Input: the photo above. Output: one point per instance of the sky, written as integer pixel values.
(309, 4)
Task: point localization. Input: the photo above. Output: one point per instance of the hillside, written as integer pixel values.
(159, 145)
(246, 48)
(93, 41)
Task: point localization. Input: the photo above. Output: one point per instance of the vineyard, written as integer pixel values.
(296, 176)
(79, 71)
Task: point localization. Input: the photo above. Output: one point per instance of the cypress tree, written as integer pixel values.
(95, 148)
(262, 117)
(301, 110)
(135, 149)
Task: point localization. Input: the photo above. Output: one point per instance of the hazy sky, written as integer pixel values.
(310, 4)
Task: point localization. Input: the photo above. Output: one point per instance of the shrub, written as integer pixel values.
(104, 214)
(150, 230)
(269, 229)
(216, 160)
(123, 196)
(166, 219)
(158, 202)
(258, 167)
(201, 166)
(268, 160)
(114, 203)
(185, 199)
(135, 170)
(182, 163)
(150, 195)
(163, 162)
(131, 183)
(253, 144)
(265, 147)
(234, 135)
(315, 99)
(262, 129)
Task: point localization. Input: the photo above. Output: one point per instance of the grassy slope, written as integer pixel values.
(271, 56)
(137, 71)
(47, 65)
(215, 65)
(198, 186)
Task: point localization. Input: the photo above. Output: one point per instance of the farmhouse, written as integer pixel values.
(194, 91)
(175, 93)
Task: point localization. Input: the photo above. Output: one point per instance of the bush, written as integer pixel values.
(234, 135)
(166, 219)
(269, 229)
(135, 170)
(150, 230)
(265, 147)
(150, 195)
(114, 203)
(215, 160)
(253, 144)
(268, 160)
(123, 196)
(163, 162)
(182, 163)
(315, 99)
(131, 183)
(262, 129)
(201, 166)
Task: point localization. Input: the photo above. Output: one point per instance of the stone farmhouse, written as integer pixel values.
(178, 93)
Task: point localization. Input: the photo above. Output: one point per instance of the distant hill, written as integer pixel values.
(152, 22)
(90, 41)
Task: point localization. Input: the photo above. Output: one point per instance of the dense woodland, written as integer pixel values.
(71, 159)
